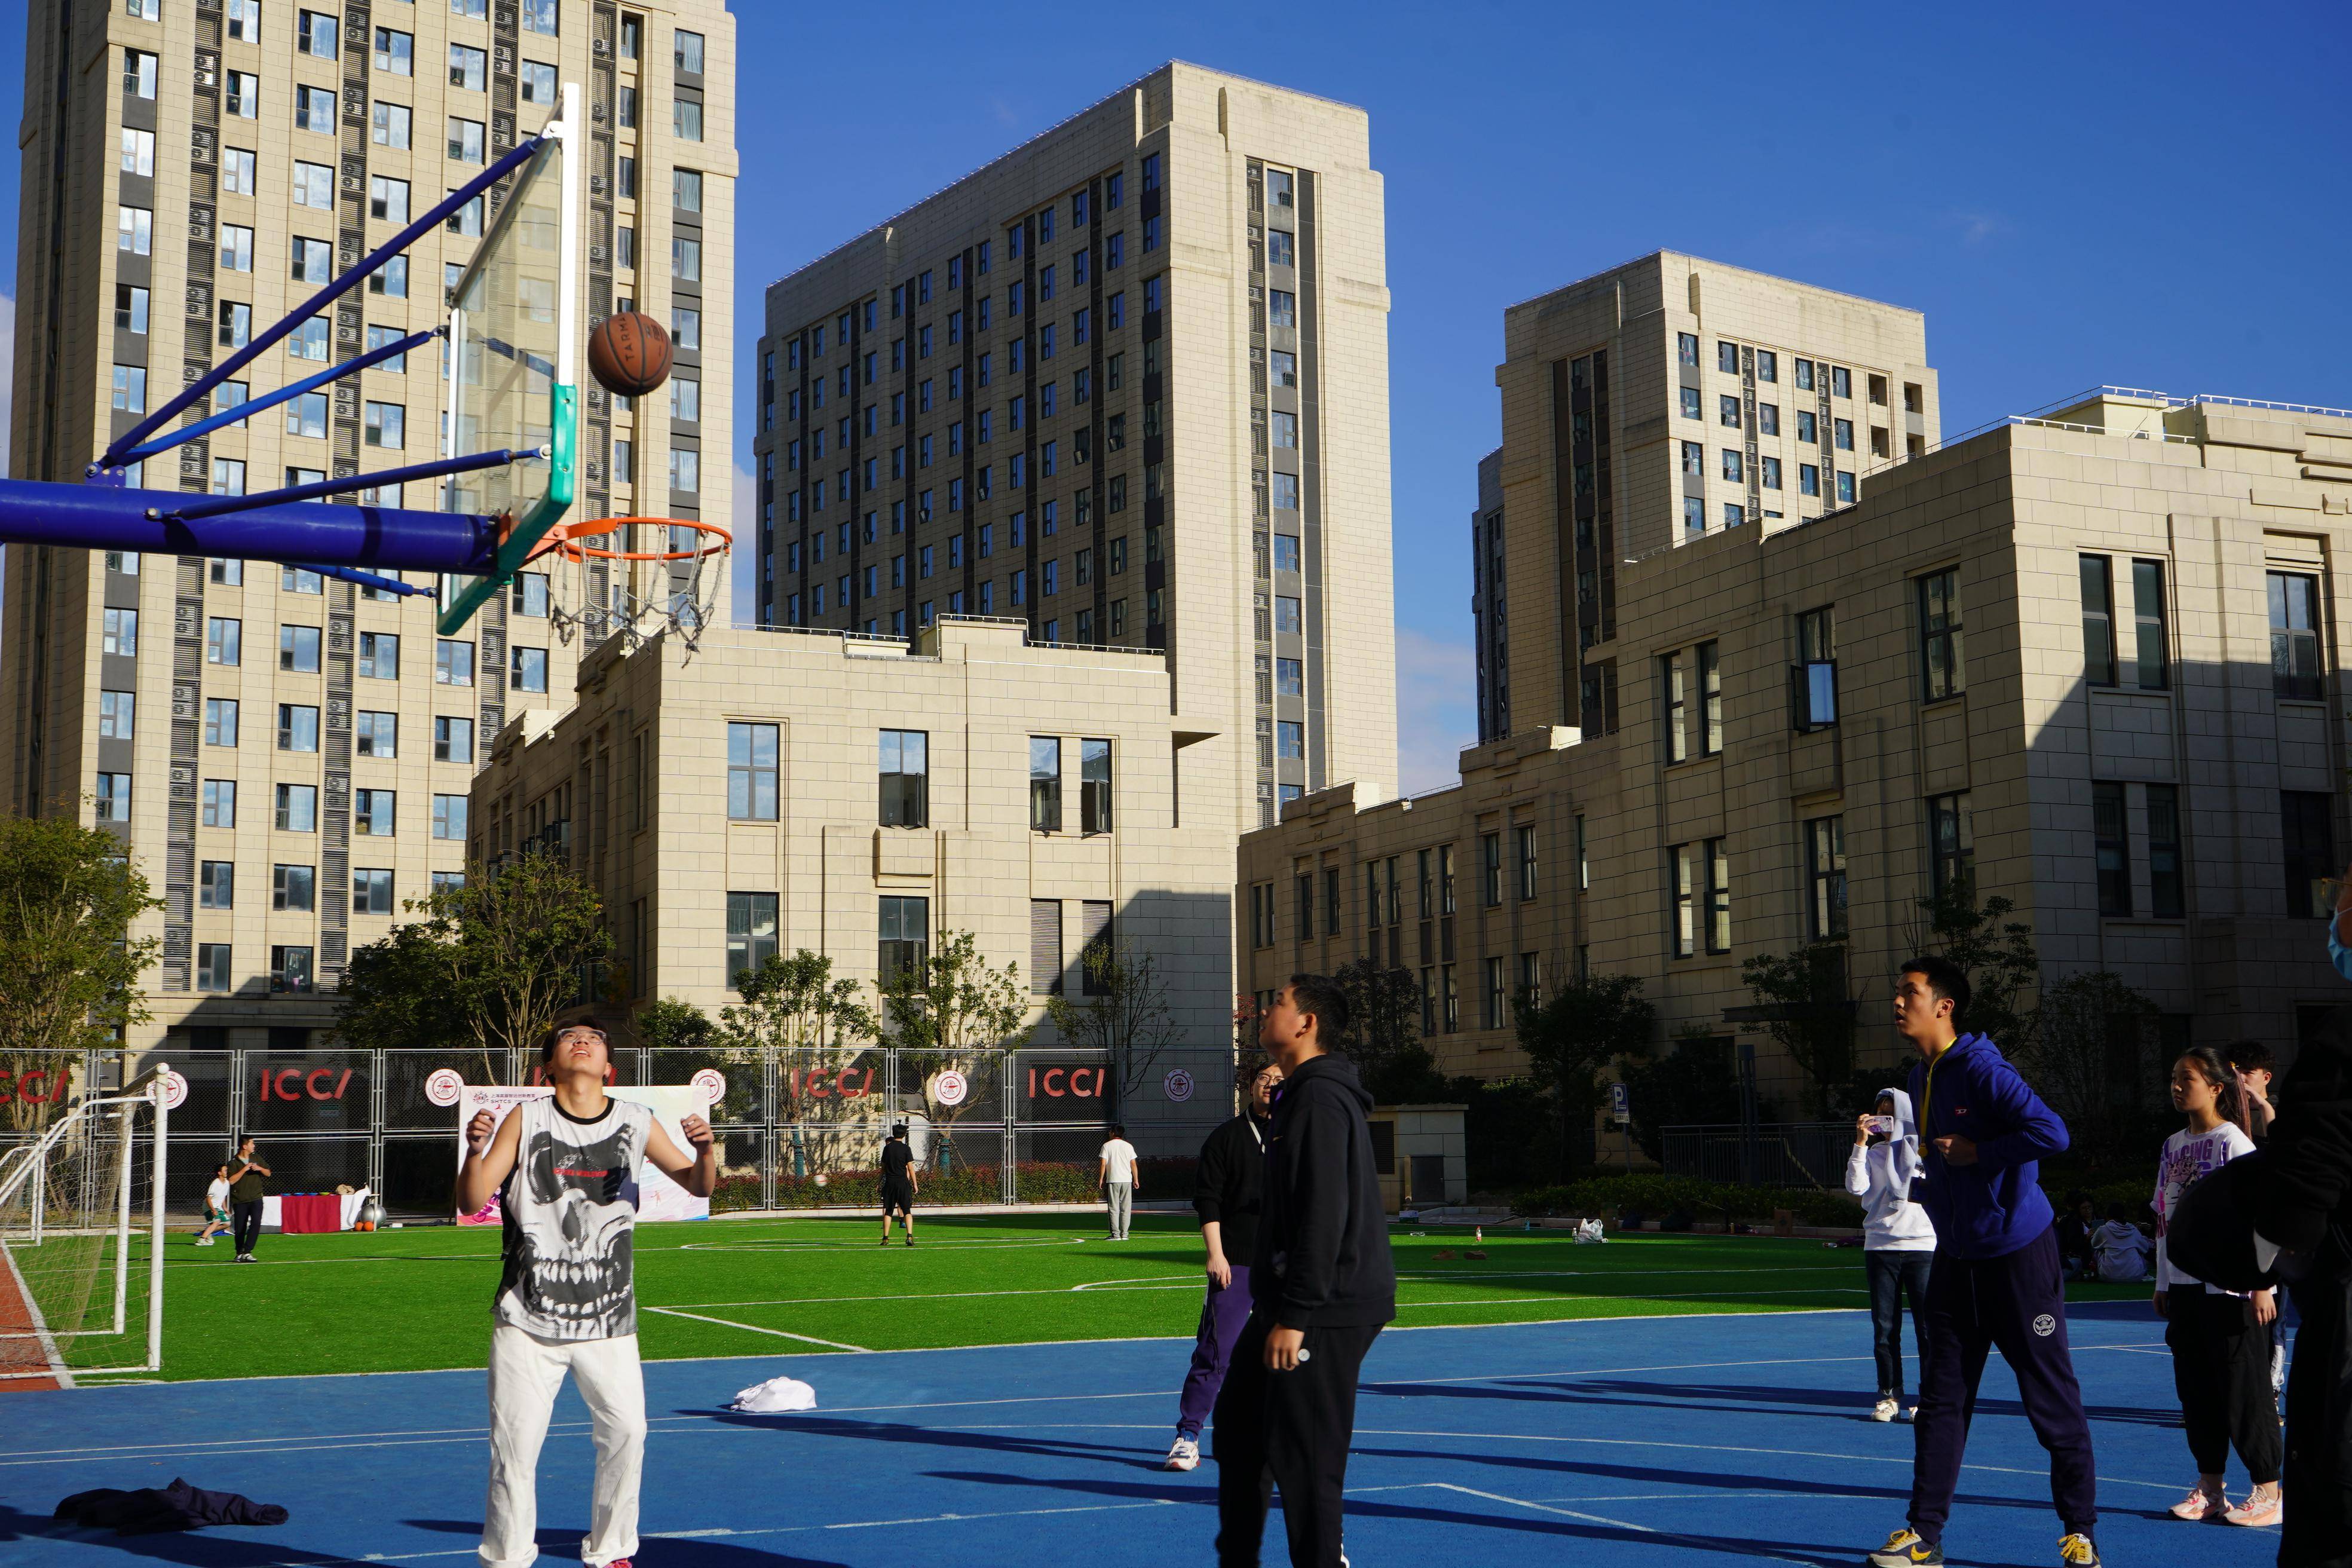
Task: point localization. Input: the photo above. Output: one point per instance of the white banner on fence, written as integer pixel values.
(659, 1197)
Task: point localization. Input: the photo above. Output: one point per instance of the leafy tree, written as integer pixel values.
(1997, 954)
(1124, 1012)
(1572, 1035)
(954, 1002)
(1384, 1034)
(2086, 1057)
(491, 964)
(796, 1001)
(1696, 1084)
(68, 900)
(670, 1024)
(1812, 1011)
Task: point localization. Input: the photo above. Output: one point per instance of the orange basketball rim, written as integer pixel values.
(564, 539)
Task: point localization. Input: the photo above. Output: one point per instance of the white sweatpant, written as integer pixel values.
(525, 1374)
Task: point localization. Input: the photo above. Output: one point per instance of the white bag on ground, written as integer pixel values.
(776, 1394)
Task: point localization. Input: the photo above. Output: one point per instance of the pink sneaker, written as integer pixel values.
(2200, 1505)
(2260, 1509)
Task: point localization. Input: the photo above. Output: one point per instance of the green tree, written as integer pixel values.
(1124, 1012)
(491, 964)
(671, 1025)
(953, 1002)
(2087, 1057)
(1696, 1084)
(1995, 952)
(1810, 1012)
(68, 900)
(797, 1001)
(1383, 1036)
(1575, 1033)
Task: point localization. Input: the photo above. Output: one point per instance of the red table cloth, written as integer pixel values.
(305, 1214)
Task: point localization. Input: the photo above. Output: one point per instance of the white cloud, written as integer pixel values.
(1437, 708)
(745, 555)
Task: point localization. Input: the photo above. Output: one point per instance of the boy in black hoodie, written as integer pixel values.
(1322, 1286)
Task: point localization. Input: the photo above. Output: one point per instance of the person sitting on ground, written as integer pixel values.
(2125, 1254)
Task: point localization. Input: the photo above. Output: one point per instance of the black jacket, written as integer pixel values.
(1322, 1259)
(1230, 1186)
(150, 1509)
(2303, 1199)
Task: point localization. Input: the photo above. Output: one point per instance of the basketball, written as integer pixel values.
(628, 354)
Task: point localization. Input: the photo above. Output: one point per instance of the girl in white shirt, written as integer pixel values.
(2220, 1342)
(1898, 1239)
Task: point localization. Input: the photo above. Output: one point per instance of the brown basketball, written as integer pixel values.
(628, 354)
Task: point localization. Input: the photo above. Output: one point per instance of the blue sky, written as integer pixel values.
(2071, 195)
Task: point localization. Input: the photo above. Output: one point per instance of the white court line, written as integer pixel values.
(753, 1329)
(1710, 1544)
(1192, 1282)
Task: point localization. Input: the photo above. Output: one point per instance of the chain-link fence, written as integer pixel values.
(797, 1129)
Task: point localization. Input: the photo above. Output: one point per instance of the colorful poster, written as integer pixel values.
(659, 1197)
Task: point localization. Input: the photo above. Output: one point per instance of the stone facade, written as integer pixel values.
(730, 799)
(2083, 661)
(175, 156)
(1128, 382)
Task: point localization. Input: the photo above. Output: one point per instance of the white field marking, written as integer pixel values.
(1733, 1449)
(752, 1329)
(1149, 1282)
(1704, 1544)
(492, 1257)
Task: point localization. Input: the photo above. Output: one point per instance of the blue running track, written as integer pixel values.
(1661, 1441)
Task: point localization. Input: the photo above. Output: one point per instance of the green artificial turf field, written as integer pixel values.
(397, 1301)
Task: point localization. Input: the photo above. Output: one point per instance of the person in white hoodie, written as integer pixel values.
(1898, 1239)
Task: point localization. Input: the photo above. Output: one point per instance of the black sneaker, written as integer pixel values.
(1907, 1548)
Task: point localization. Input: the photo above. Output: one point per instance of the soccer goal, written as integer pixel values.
(81, 1237)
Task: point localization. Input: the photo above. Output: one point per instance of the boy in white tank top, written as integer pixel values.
(566, 1170)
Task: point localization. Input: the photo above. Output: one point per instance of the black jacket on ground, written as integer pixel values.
(1229, 1188)
(150, 1509)
(1322, 1259)
(2301, 1197)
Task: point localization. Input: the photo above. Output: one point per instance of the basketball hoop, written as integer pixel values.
(566, 537)
(685, 605)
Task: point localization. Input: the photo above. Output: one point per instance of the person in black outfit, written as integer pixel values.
(899, 1183)
(1228, 1193)
(1322, 1285)
(245, 1195)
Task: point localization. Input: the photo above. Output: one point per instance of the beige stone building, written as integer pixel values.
(2084, 661)
(1128, 383)
(288, 759)
(782, 788)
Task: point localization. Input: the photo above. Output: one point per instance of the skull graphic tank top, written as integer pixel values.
(569, 1208)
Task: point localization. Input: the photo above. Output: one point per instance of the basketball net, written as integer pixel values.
(658, 575)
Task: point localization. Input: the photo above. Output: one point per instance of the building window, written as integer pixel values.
(371, 892)
(1690, 402)
(1492, 1013)
(219, 804)
(115, 711)
(1526, 858)
(298, 808)
(217, 885)
(377, 734)
(1942, 664)
(1825, 866)
(751, 773)
(751, 934)
(452, 662)
(2295, 636)
(1718, 897)
(906, 926)
(213, 966)
(2112, 847)
(1672, 673)
(1952, 846)
(2307, 821)
(2167, 895)
(1684, 873)
(1687, 348)
(220, 722)
(292, 887)
(373, 813)
(1045, 978)
(1710, 690)
(1045, 784)
(2098, 622)
(290, 969)
(1094, 786)
(297, 727)
(449, 815)
(905, 770)
(529, 670)
(1490, 869)
(453, 740)
(2151, 647)
(114, 797)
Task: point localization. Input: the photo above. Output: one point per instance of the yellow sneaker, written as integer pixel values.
(1907, 1548)
(2077, 1550)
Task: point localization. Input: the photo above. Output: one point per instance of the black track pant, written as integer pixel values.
(2221, 1370)
(244, 1222)
(1287, 1430)
(2317, 1529)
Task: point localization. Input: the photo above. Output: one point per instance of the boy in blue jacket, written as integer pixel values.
(1997, 1279)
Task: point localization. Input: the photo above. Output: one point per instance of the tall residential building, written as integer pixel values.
(1127, 383)
(288, 759)
(1661, 403)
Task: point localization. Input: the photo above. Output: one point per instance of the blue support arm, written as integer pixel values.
(214, 506)
(98, 516)
(115, 456)
(246, 410)
(364, 579)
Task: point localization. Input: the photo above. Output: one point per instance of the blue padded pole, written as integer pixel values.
(364, 579)
(214, 506)
(187, 433)
(96, 517)
(522, 154)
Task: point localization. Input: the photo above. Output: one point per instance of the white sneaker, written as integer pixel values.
(1185, 1453)
(1884, 1410)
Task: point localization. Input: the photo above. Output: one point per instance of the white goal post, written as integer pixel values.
(80, 1201)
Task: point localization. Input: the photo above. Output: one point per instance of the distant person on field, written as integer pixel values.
(1898, 1243)
(1996, 1281)
(898, 1183)
(565, 1168)
(1322, 1285)
(1228, 1195)
(246, 1191)
(2075, 1227)
(216, 1216)
(2125, 1252)
(1115, 1176)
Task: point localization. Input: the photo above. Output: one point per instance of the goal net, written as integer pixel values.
(81, 1237)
